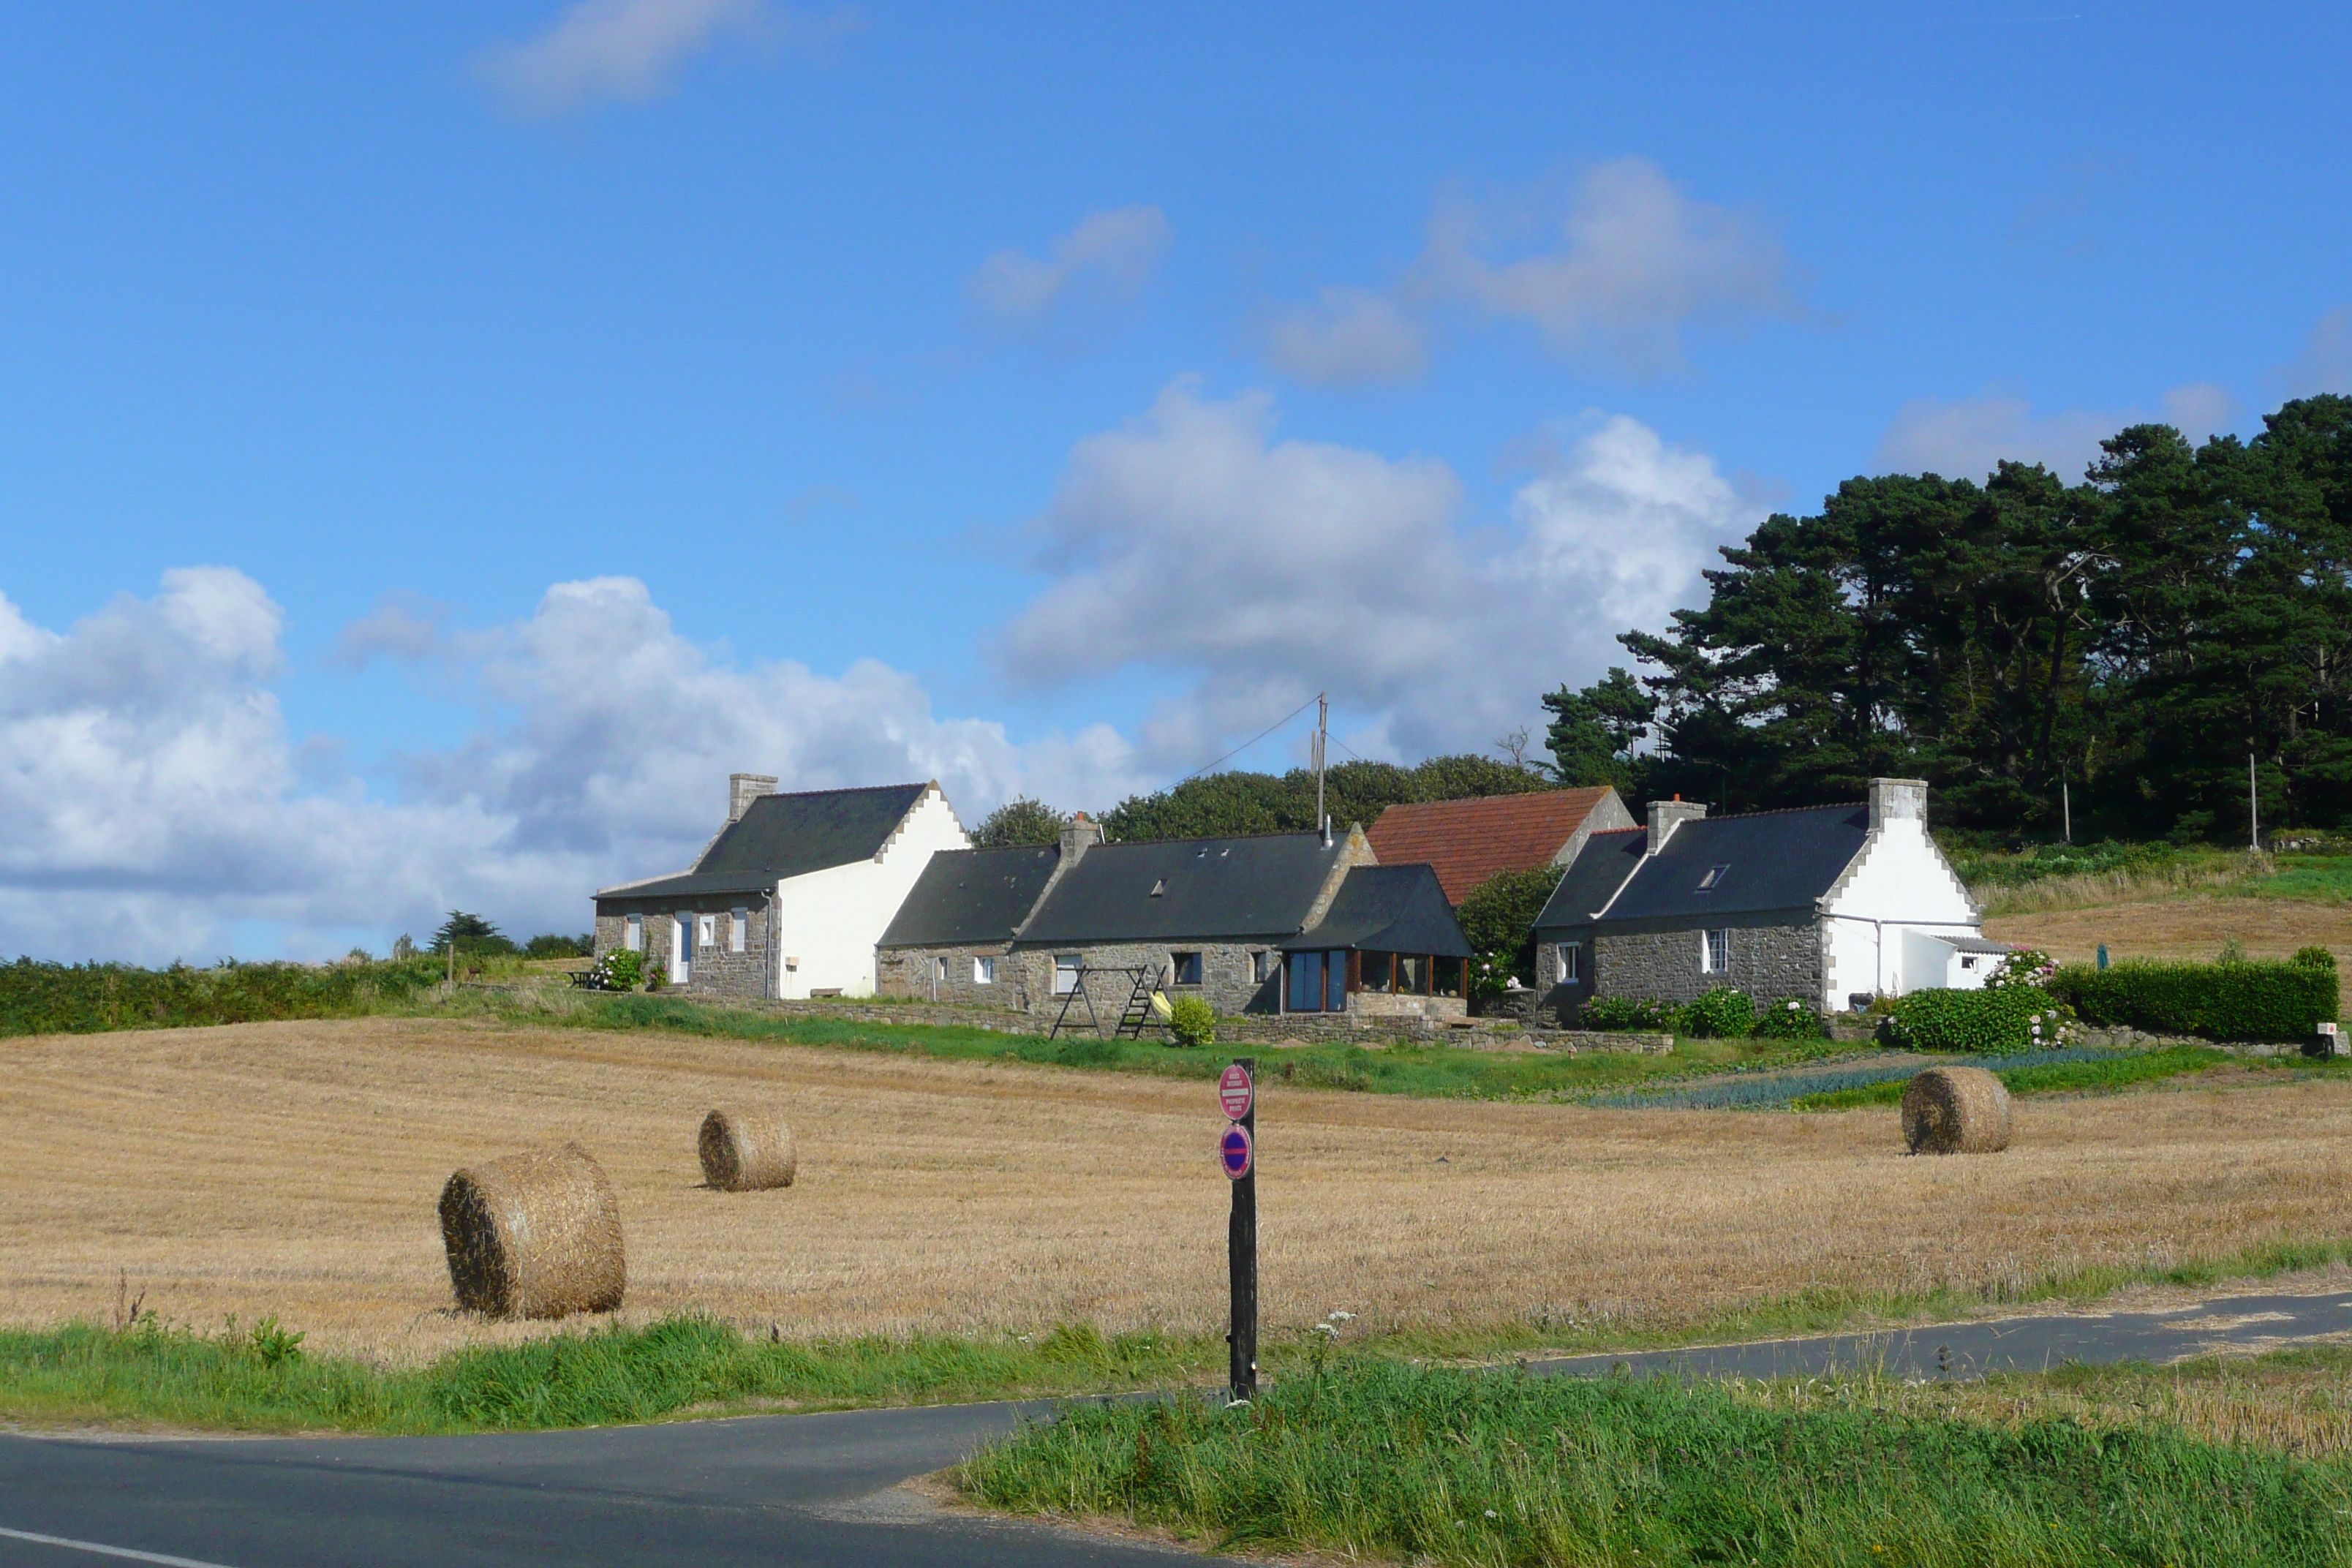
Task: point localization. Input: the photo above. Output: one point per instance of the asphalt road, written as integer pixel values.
(791, 1490)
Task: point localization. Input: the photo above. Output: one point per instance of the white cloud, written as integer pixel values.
(2326, 364)
(631, 51)
(1194, 542)
(1107, 257)
(1349, 336)
(1639, 262)
(153, 805)
(1969, 437)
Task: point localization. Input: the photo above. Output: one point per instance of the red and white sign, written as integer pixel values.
(1235, 1093)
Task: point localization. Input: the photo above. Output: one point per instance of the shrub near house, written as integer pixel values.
(2239, 1001)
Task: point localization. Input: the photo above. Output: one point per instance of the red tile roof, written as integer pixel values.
(1467, 841)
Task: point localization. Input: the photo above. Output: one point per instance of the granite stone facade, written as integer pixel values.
(717, 970)
(1228, 981)
(1767, 960)
(950, 976)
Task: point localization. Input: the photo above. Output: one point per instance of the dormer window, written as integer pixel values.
(1159, 886)
(1714, 875)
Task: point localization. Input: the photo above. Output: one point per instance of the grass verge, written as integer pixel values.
(1424, 1464)
(256, 1380)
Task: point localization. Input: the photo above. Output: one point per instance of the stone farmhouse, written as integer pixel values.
(1468, 841)
(789, 897)
(1300, 922)
(1829, 905)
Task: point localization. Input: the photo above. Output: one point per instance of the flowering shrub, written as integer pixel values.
(2012, 1018)
(1791, 1020)
(2026, 966)
(620, 969)
(1723, 1012)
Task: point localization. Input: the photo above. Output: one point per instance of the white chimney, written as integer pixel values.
(742, 789)
(1897, 800)
(1665, 815)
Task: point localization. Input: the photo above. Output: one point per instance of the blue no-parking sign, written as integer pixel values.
(1233, 1151)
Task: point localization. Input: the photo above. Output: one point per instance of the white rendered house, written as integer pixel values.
(791, 896)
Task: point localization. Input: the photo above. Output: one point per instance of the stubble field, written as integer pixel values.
(293, 1169)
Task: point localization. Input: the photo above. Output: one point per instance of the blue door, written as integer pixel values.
(681, 969)
(1306, 983)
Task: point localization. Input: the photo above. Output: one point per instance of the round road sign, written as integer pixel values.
(1235, 1151)
(1235, 1092)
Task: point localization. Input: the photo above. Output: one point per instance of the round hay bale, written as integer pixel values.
(1955, 1110)
(745, 1151)
(535, 1235)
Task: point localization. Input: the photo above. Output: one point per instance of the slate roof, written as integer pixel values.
(1468, 841)
(1769, 859)
(967, 897)
(782, 835)
(1389, 909)
(1599, 869)
(1209, 890)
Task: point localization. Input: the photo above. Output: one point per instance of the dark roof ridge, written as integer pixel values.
(845, 789)
(1767, 811)
(1223, 837)
(1637, 827)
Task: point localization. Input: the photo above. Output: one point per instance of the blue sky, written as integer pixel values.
(440, 445)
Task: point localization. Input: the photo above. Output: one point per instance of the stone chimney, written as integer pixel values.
(1080, 834)
(1898, 800)
(1665, 815)
(742, 789)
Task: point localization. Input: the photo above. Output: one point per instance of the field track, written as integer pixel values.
(293, 1168)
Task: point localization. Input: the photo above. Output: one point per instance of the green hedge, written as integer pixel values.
(38, 998)
(2011, 1019)
(2244, 1001)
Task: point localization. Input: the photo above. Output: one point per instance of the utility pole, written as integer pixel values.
(2254, 808)
(1322, 737)
(2066, 806)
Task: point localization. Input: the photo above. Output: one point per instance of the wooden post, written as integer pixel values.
(1241, 1259)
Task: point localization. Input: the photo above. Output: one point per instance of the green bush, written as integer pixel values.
(2317, 957)
(620, 969)
(1626, 1013)
(2013, 1018)
(38, 998)
(1791, 1020)
(2246, 1001)
(1722, 1014)
(1192, 1021)
(1499, 918)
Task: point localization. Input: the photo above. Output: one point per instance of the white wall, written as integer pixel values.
(830, 920)
(1901, 882)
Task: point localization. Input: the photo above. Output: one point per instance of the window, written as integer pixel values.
(633, 937)
(705, 931)
(739, 928)
(1411, 974)
(1445, 975)
(1261, 966)
(1066, 974)
(1160, 888)
(1715, 951)
(1571, 962)
(940, 969)
(1377, 969)
(1185, 968)
(1967, 960)
(984, 972)
(1714, 875)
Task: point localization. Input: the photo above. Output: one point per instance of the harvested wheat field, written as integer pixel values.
(2181, 927)
(294, 1169)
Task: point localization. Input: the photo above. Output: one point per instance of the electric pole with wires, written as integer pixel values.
(1317, 748)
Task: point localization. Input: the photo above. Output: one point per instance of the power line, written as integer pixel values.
(1246, 745)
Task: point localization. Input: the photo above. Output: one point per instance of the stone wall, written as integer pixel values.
(1225, 973)
(717, 970)
(1768, 961)
(915, 973)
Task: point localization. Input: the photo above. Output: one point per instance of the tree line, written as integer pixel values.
(2122, 645)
